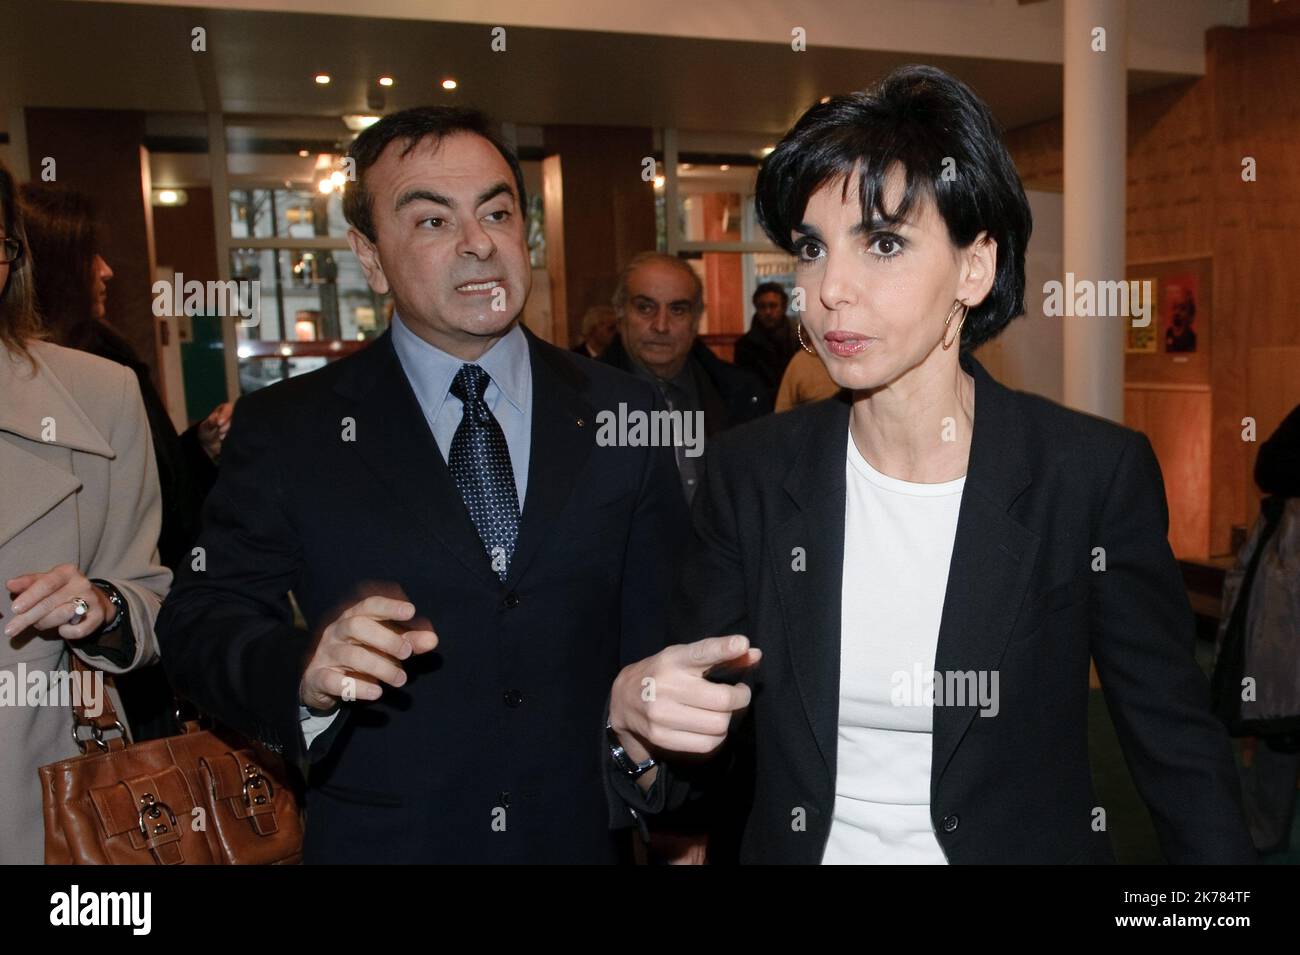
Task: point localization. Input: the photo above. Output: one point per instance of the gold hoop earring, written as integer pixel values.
(803, 344)
(957, 303)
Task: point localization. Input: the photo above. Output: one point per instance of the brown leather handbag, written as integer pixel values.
(205, 797)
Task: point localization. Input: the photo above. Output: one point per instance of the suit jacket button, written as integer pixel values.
(511, 600)
(513, 698)
(949, 822)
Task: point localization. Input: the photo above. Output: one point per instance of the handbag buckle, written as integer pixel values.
(254, 782)
(151, 811)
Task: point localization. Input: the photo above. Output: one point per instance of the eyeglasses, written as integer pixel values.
(11, 250)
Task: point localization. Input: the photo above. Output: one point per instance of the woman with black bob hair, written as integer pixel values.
(911, 578)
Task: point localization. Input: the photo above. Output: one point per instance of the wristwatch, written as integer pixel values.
(622, 760)
(116, 599)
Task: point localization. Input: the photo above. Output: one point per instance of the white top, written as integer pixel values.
(898, 539)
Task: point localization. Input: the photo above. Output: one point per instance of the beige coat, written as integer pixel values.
(78, 484)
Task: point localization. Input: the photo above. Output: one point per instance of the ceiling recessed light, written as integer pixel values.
(170, 197)
(724, 167)
(303, 154)
(449, 84)
(322, 79)
(385, 81)
(359, 121)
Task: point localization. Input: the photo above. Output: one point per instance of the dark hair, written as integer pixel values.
(413, 126)
(950, 149)
(63, 240)
(765, 288)
(18, 320)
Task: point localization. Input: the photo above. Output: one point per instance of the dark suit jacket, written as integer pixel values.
(743, 396)
(1044, 487)
(506, 712)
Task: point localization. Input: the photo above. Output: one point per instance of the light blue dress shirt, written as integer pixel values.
(509, 397)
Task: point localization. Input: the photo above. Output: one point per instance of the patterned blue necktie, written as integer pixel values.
(480, 465)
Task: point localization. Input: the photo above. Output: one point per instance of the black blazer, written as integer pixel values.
(506, 712)
(1044, 486)
(744, 397)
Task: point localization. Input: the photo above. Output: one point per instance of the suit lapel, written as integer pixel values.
(992, 557)
(811, 598)
(563, 434)
(394, 440)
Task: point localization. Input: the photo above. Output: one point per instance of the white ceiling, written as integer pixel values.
(60, 53)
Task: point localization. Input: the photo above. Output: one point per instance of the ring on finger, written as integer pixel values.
(79, 609)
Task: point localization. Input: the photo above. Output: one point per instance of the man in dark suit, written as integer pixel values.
(449, 695)
(659, 301)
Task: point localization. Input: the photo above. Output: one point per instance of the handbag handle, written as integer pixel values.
(107, 720)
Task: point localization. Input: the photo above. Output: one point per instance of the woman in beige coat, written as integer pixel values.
(79, 522)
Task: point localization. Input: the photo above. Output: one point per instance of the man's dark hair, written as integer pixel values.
(413, 126)
(766, 288)
(950, 149)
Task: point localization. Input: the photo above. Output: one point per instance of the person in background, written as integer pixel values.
(659, 300)
(599, 326)
(1269, 786)
(806, 379)
(770, 343)
(78, 532)
(71, 287)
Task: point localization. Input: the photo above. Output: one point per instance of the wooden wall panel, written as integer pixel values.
(1038, 152)
(553, 210)
(608, 214)
(1169, 202)
(1186, 198)
(1177, 422)
(1254, 74)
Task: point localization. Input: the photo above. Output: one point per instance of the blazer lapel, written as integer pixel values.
(992, 557)
(811, 598)
(563, 435)
(393, 438)
(39, 409)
